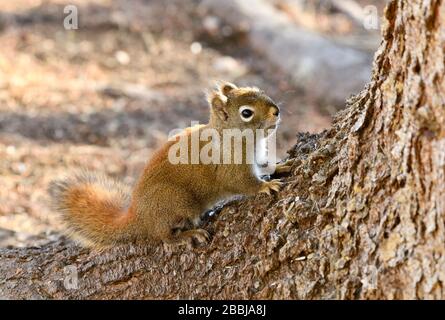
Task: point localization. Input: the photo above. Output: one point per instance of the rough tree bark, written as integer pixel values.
(361, 216)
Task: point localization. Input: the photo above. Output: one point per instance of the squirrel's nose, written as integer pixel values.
(276, 112)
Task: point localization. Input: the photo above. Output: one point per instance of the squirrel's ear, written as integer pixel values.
(227, 87)
(218, 105)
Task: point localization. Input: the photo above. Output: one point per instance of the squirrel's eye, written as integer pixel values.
(246, 113)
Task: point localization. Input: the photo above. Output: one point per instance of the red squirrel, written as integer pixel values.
(169, 199)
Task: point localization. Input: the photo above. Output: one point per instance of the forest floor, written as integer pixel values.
(106, 95)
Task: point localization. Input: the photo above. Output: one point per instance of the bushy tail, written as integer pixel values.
(94, 208)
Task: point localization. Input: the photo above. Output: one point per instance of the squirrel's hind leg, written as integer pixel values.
(186, 231)
(199, 235)
(188, 237)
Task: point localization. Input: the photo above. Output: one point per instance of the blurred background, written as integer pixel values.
(99, 84)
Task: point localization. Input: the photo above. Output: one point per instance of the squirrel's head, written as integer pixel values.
(233, 107)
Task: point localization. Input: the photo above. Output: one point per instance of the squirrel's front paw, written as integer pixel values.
(284, 167)
(272, 185)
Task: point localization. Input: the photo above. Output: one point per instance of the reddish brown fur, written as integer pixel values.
(167, 196)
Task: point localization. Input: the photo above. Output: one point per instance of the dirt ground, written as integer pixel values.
(106, 95)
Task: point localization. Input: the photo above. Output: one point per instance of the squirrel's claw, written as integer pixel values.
(284, 167)
(199, 235)
(272, 185)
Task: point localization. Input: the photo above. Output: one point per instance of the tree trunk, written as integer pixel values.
(361, 216)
